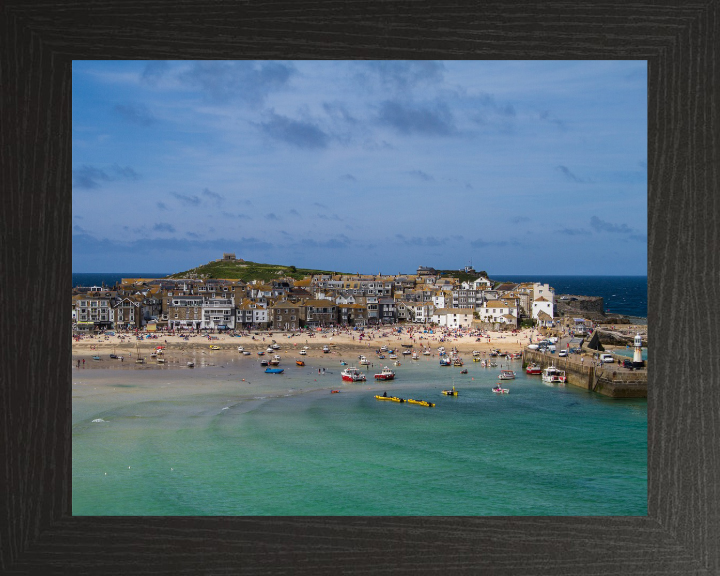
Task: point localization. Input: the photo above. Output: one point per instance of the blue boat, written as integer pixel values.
(274, 370)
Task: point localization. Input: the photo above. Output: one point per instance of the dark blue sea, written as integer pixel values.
(625, 295)
(622, 294)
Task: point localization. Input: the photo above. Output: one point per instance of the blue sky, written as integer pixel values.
(521, 167)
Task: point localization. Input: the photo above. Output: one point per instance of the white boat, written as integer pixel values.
(306, 347)
(385, 374)
(246, 352)
(392, 356)
(352, 374)
(383, 348)
(364, 361)
(275, 347)
(441, 350)
(191, 364)
(303, 352)
(326, 349)
(426, 352)
(507, 375)
(241, 349)
(553, 375)
(269, 349)
(415, 356)
(476, 352)
(500, 390)
(161, 360)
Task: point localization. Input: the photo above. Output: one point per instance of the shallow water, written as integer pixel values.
(203, 442)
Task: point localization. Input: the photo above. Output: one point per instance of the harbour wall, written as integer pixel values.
(605, 379)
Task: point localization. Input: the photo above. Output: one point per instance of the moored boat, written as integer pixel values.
(212, 347)
(533, 369)
(452, 392)
(191, 364)
(500, 390)
(303, 352)
(445, 361)
(326, 349)
(352, 374)
(507, 375)
(420, 402)
(385, 374)
(364, 361)
(391, 398)
(299, 362)
(274, 370)
(553, 375)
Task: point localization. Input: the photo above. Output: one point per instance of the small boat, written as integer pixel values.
(191, 364)
(269, 350)
(334, 391)
(113, 356)
(420, 402)
(463, 371)
(161, 360)
(306, 347)
(385, 374)
(445, 361)
(383, 348)
(263, 362)
(392, 356)
(406, 352)
(391, 398)
(274, 362)
(533, 369)
(214, 347)
(516, 355)
(96, 357)
(140, 361)
(343, 363)
(415, 356)
(299, 362)
(500, 390)
(396, 363)
(352, 375)
(326, 349)
(452, 392)
(476, 352)
(457, 362)
(507, 375)
(153, 354)
(274, 370)
(477, 359)
(241, 349)
(303, 352)
(426, 352)
(246, 352)
(260, 353)
(275, 347)
(553, 375)
(364, 361)
(381, 356)
(441, 350)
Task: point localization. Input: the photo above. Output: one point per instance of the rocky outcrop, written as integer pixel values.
(590, 307)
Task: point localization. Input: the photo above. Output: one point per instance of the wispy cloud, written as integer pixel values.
(294, 132)
(154, 71)
(573, 232)
(349, 177)
(424, 176)
(271, 216)
(162, 206)
(137, 114)
(319, 205)
(568, 174)
(294, 212)
(405, 74)
(213, 195)
(520, 219)
(189, 200)
(243, 80)
(89, 177)
(428, 120)
(163, 227)
(547, 116)
(603, 226)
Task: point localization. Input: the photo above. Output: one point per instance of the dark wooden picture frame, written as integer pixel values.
(681, 43)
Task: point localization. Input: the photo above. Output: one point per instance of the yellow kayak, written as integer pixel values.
(420, 402)
(214, 347)
(391, 398)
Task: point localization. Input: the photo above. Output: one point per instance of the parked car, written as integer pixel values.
(562, 353)
(553, 340)
(575, 351)
(607, 358)
(627, 364)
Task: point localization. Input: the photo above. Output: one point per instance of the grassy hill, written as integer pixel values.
(247, 271)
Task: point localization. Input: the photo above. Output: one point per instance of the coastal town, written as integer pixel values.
(425, 298)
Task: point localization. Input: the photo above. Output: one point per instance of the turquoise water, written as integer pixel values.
(629, 352)
(203, 442)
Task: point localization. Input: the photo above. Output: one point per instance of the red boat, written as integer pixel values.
(334, 391)
(533, 369)
(385, 374)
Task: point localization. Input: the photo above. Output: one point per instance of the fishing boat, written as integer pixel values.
(385, 374)
(299, 362)
(364, 361)
(553, 375)
(452, 392)
(457, 361)
(334, 391)
(507, 375)
(214, 347)
(391, 398)
(415, 356)
(500, 390)
(445, 361)
(533, 369)
(420, 402)
(274, 370)
(352, 374)
(463, 371)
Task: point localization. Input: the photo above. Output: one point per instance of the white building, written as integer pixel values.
(218, 313)
(453, 317)
(541, 304)
(498, 312)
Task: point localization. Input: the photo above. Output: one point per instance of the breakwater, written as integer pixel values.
(605, 379)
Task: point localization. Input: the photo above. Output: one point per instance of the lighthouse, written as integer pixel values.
(637, 356)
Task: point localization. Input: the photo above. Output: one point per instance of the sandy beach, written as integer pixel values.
(342, 344)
